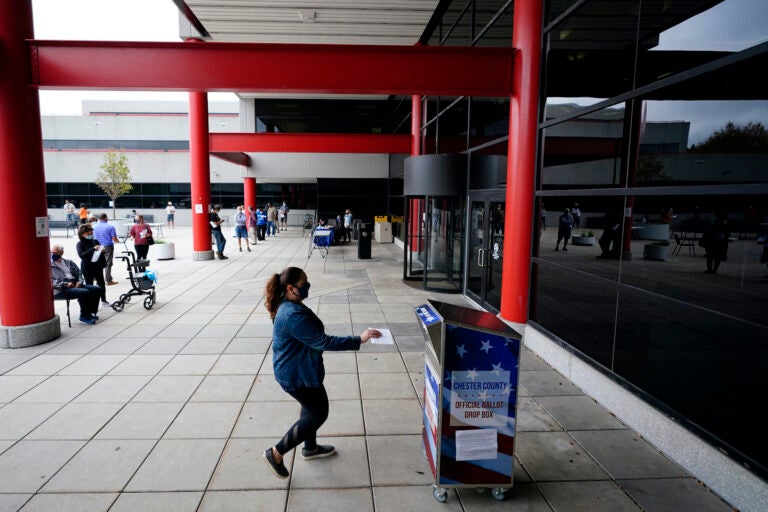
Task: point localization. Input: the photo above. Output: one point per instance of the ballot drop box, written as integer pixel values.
(471, 372)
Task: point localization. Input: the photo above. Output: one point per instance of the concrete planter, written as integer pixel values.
(163, 251)
(655, 252)
(653, 231)
(582, 240)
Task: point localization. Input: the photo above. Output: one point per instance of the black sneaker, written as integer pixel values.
(279, 470)
(318, 453)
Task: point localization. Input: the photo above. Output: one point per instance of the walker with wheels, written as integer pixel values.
(142, 282)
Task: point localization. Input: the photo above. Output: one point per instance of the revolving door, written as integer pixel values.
(433, 242)
(435, 190)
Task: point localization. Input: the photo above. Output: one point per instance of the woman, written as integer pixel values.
(298, 342)
(140, 232)
(92, 270)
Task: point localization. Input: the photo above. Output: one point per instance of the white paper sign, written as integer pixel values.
(477, 444)
(198, 208)
(41, 226)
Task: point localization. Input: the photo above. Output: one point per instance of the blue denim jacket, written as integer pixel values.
(298, 342)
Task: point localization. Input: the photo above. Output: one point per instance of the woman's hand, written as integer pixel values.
(368, 334)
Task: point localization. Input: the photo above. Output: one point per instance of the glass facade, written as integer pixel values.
(653, 125)
(156, 195)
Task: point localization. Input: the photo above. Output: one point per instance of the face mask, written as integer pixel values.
(304, 290)
(55, 256)
(89, 237)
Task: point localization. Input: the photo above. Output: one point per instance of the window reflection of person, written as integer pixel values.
(715, 242)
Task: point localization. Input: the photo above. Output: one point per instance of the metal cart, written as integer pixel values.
(471, 372)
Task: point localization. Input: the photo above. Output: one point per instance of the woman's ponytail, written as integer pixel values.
(276, 286)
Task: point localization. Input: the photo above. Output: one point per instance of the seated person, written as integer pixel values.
(68, 283)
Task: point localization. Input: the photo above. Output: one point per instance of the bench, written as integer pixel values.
(63, 224)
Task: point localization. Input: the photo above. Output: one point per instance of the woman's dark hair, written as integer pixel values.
(82, 230)
(276, 286)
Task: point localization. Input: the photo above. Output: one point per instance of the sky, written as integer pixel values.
(106, 20)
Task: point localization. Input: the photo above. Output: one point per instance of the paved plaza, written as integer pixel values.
(169, 409)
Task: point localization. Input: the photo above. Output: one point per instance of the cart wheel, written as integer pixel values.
(498, 493)
(440, 494)
(118, 306)
(149, 302)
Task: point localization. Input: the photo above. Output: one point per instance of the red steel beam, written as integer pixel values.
(286, 68)
(233, 157)
(309, 143)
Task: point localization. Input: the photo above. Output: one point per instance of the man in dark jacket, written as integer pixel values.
(68, 283)
(564, 229)
(216, 223)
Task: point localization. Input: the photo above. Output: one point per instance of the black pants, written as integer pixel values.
(87, 296)
(96, 274)
(261, 230)
(314, 412)
(141, 251)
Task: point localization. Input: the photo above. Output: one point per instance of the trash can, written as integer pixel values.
(356, 229)
(364, 231)
(471, 363)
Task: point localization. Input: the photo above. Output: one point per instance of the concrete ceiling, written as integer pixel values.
(395, 22)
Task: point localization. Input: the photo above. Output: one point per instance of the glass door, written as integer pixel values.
(486, 248)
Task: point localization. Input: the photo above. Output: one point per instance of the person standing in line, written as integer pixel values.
(83, 214)
(298, 342)
(105, 234)
(216, 223)
(251, 224)
(564, 229)
(140, 233)
(340, 233)
(261, 224)
(576, 213)
(348, 224)
(69, 211)
(271, 220)
(241, 232)
(92, 270)
(543, 218)
(283, 217)
(715, 241)
(170, 214)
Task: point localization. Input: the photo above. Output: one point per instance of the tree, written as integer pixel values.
(752, 138)
(650, 168)
(115, 177)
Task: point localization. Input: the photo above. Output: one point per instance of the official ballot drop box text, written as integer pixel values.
(471, 371)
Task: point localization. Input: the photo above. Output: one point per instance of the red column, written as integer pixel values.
(415, 125)
(200, 173)
(521, 161)
(249, 191)
(26, 292)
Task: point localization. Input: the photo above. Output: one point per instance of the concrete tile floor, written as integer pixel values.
(170, 409)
